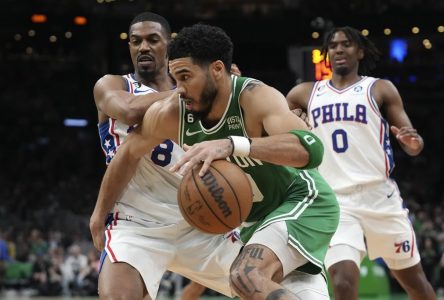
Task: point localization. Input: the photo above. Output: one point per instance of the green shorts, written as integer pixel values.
(311, 213)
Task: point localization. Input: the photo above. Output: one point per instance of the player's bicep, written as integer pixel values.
(299, 95)
(283, 122)
(392, 104)
(276, 115)
(108, 94)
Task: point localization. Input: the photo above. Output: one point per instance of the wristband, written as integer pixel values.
(241, 145)
(313, 145)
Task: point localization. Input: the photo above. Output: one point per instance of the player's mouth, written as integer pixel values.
(340, 61)
(188, 102)
(145, 60)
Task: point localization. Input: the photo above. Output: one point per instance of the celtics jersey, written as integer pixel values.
(270, 182)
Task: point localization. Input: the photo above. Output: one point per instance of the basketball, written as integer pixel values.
(217, 202)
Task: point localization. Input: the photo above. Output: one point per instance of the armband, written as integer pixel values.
(313, 145)
(241, 145)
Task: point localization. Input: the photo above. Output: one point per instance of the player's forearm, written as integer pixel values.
(138, 105)
(283, 149)
(118, 174)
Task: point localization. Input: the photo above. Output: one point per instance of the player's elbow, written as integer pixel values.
(134, 115)
(314, 149)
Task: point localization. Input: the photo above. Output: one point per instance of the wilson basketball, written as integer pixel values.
(217, 202)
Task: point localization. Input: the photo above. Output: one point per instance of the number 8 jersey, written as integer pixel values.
(152, 192)
(354, 133)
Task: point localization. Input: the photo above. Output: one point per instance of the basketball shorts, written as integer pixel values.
(374, 221)
(310, 216)
(153, 248)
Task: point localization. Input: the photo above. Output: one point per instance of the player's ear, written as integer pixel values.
(218, 69)
(361, 53)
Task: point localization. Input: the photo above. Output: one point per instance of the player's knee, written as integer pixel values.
(244, 282)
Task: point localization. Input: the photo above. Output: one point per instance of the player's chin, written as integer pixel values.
(146, 71)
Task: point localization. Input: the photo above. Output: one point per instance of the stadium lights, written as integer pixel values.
(39, 18)
(80, 20)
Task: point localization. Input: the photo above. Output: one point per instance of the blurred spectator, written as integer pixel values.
(89, 276)
(4, 257)
(74, 264)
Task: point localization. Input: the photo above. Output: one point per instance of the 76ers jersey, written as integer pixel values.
(152, 192)
(354, 133)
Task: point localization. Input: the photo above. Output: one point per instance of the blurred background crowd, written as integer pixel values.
(51, 161)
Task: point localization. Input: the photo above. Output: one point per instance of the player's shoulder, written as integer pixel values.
(304, 88)
(299, 95)
(111, 81)
(383, 86)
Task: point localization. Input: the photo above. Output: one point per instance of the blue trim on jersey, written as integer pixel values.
(127, 83)
(107, 141)
(387, 147)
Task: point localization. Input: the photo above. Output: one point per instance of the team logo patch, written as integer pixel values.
(357, 89)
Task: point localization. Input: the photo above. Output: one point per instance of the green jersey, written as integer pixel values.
(301, 198)
(270, 182)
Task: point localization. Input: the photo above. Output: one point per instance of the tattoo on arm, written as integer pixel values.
(252, 84)
(244, 287)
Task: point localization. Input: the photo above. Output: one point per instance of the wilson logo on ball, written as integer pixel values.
(216, 192)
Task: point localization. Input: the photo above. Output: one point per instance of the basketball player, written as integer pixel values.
(346, 113)
(294, 214)
(122, 100)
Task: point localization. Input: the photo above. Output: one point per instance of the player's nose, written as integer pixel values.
(144, 46)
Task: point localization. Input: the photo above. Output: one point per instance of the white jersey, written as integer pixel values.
(152, 192)
(355, 135)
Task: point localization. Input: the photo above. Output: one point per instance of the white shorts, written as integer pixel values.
(305, 286)
(153, 248)
(275, 237)
(374, 221)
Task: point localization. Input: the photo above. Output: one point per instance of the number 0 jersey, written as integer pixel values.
(152, 192)
(355, 135)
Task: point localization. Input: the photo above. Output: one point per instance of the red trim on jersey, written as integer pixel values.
(108, 233)
(111, 131)
(371, 102)
(131, 86)
(381, 140)
(116, 216)
(331, 87)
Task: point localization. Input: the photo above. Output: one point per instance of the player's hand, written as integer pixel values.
(205, 152)
(303, 115)
(97, 228)
(408, 137)
(235, 70)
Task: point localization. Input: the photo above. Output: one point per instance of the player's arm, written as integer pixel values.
(391, 102)
(287, 140)
(121, 170)
(299, 96)
(113, 100)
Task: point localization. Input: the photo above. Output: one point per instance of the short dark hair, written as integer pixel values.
(371, 53)
(204, 44)
(152, 17)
